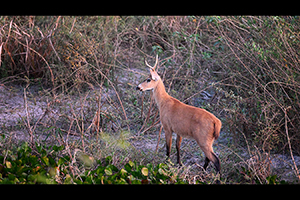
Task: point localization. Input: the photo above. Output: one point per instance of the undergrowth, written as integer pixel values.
(244, 69)
(50, 165)
(43, 164)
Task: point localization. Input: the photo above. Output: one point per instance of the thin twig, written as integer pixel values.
(289, 143)
(72, 26)
(148, 116)
(54, 49)
(27, 117)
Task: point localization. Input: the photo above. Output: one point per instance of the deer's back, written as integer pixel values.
(186, 120)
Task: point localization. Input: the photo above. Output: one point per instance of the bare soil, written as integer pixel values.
(13, 119)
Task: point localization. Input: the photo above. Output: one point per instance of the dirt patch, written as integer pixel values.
(14, 115)
(13, 109)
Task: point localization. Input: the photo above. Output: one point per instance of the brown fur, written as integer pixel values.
(184, 120)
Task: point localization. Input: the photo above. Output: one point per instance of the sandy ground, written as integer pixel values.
(13, 112)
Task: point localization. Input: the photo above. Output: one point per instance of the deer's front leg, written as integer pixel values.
(168, 135)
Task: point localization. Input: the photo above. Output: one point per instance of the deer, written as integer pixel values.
(185, 120)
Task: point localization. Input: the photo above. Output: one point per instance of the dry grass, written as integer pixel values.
(245, 70)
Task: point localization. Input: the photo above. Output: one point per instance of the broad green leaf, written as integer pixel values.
(130, 163)
(68, 179)
(53, 171)
(145, 171)
(108, 159)
(108, 171)
(58, 148)
(45, 160)
(60, 161)
(8, 164)
(123, 171)
(128, 167)
(86, 159)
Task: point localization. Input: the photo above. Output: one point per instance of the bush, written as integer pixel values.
(244, 69)
(261, 77)
(49, 165)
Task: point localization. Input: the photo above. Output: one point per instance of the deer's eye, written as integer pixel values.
(148, 80)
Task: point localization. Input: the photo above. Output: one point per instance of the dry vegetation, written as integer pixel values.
(76, 77)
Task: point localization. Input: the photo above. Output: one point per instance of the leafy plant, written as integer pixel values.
(41, 166)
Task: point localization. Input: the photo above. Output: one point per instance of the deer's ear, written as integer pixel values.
(154, 75)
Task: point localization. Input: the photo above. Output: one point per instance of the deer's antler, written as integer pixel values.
(156, 61)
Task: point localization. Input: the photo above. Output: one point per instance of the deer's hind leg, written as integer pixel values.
(206, 163)
(210, 156)
(178, 143)
(168, 136)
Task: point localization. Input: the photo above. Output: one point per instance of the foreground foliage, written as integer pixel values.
(51, 165)
(249, 63)
(48, 165)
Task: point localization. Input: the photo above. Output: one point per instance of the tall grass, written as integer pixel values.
(263, 67)
(248, 66)
(255, 59)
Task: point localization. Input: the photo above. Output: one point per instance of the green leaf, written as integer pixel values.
(161, 171)
(52, 161)
(45, 160)
(145, 171)
(113, 168)
(11, 176)
(123, 171)
(149, 166)
(108, 171)
(33, 160)
(56, 148)
(60, 161)
(87, 160)
(108, 160)
(68, 179)
(272, 179)
(41, 178)
(38, 147)
(8, 164)
(131, 163)
(53, 171)
(128, 167)
(26, 147)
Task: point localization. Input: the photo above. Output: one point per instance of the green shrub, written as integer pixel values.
(49, 165)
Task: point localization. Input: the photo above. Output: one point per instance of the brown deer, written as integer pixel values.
(184, 120)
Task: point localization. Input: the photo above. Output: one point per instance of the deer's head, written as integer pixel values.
(152, 81)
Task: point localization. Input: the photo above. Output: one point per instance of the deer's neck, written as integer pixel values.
(160, 94)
